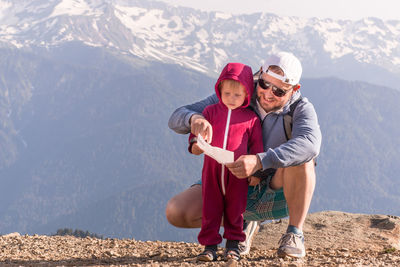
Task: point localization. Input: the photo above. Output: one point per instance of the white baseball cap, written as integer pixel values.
(290, 65)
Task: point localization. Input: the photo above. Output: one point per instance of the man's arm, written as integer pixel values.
(180, 118)
(304, 145)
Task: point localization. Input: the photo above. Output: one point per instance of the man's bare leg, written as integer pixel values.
(298, 184)
(184, 209)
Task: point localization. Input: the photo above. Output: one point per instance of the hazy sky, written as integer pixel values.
(336, 9)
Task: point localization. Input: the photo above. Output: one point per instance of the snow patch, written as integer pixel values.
(202, 35)
(94, 25)
(220, 15)
(131, 11)
(73, 8)
(396, 60)
(4, 6)
(16, 44)
(284, 25)
(220, 58)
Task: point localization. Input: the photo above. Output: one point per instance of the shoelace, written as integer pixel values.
(288, 238)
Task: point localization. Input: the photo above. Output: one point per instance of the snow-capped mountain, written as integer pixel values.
(205, 41)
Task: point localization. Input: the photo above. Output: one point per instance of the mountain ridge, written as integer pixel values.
(206, 41)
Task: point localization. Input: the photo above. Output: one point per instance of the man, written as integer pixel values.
(287, 166)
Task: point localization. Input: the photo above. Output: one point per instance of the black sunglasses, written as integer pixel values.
(279, 92)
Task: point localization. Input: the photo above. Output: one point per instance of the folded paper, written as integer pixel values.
(222, 156)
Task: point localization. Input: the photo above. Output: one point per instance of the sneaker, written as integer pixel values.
(291, 245)
(250, 229)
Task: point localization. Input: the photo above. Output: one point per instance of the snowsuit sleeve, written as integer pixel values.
(255, 137)
(206, 115)
(179, 120)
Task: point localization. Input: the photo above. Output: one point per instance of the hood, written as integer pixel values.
(238, 72)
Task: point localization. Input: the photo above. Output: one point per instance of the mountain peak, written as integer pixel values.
(75, 8)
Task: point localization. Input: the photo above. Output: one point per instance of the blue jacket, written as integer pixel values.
(279, 152)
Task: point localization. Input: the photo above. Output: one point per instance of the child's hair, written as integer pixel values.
(232, 83)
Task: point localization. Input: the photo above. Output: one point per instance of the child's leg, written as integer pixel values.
(235, 205)
(212, 211)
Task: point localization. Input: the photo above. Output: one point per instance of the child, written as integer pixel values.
(237, 129)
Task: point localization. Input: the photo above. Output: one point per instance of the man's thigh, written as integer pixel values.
(306, 169)
(191, 199)
(265, 203)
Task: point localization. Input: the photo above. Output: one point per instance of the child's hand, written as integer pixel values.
(199, 125)
(253, 181)
(196, 149)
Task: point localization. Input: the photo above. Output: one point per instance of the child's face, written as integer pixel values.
(233, 96)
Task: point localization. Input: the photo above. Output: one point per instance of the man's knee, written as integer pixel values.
(173, 212)
(184, 209)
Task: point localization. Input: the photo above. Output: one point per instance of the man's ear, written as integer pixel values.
(296, 87)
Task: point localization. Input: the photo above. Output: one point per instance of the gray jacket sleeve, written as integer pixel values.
(179, 120)
(304, 145)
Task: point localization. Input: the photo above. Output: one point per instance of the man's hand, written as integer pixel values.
(253, 181)
(196, 150)
(199, 125)
(244, 166)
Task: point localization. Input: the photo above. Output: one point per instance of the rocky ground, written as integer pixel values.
(332, 239)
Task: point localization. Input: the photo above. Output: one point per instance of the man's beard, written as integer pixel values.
(273, 109)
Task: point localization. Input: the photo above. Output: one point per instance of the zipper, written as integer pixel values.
(228, 121)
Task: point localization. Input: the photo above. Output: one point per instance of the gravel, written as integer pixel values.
(332, 239)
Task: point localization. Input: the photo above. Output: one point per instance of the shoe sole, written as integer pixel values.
(282, 254)
(205, 258)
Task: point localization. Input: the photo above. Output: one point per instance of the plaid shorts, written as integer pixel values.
(264, 203)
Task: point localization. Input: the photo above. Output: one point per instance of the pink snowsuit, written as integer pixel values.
(244, 137)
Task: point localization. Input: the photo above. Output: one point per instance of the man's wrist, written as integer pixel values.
(193, 117)
(259, 165)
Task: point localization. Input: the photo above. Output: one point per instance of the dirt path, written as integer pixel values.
(332, 239)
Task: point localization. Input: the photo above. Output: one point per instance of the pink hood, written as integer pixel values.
(238, 72)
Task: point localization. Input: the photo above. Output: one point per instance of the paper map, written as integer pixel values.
(221, 155)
